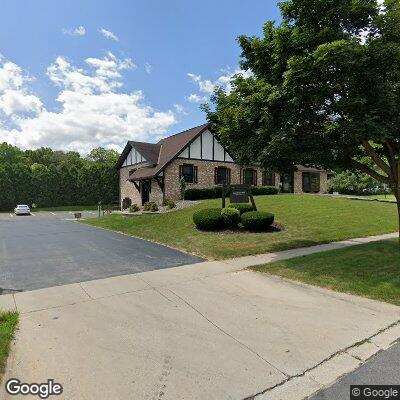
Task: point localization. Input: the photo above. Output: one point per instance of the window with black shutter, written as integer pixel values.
(188, 172)
(268, 178)
(250, 176)
(222, 176)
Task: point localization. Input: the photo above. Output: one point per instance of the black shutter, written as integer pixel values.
(216, 175)
(194, 174)
(180, 172)
(228, 176)
(255, 178)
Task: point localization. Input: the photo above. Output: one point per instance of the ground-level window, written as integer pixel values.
(222, 176)
(311, 182)
(287, 183)
(126, 203)
(188, 172)
(249, 176)
(268, 179)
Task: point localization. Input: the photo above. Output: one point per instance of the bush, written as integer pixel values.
(231, 216)
(169, 204)
(134, 208)
(208, 219)
(264, 190)
(241, 207)
(150, 206)
(200, 194)
(216, 192)
(257, 220)
(348, 182)
(34, 205)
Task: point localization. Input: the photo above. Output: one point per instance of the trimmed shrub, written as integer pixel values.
(200, 194)
(264, 190)
(241, 207)
(150, 206)
(134, 208)
(169, 204)
(231, 217)
(257, 220)
(208, 219)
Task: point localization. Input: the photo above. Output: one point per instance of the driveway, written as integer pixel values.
(203, 331)
(49, 249)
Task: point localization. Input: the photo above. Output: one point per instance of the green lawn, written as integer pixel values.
(307, 219)
(8, 324)
(67, 208)
(371, 270)
(383, 197)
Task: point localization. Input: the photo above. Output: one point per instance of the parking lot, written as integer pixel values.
(49, 248)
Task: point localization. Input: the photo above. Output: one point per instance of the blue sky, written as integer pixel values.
(77, 74)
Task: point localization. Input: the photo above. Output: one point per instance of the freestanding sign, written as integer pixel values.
(237, 194)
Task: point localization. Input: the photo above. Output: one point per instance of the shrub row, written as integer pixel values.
(216, 192)
(211, 219)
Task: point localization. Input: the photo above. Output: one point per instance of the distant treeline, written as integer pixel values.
(56, 178)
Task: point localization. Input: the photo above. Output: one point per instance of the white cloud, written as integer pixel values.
(195, 98)
(94, 110)
(180, 109)
(206, 87)
(14, 95)
(108, 34)
(78, 31)
(148, 68)
(106, 76)
(16, 101)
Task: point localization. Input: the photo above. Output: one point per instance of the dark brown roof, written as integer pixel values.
(162, 153)
(149, 151)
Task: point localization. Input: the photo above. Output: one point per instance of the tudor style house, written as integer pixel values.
(152, 171)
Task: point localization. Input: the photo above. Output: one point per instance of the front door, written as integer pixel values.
(144, 189)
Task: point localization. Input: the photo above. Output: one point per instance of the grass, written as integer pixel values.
(307, 220)
(8, 324)
(371, 270)
(383, 197)
(67, 208)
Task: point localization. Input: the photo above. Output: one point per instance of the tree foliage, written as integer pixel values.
(55, 178)
(324, 91)
(348, 182)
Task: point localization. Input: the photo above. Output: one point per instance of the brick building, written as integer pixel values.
(152, 171)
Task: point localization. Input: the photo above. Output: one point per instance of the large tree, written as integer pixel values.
(324, 91)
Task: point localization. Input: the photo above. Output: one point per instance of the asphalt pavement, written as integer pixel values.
(381, 369)
(49, 249)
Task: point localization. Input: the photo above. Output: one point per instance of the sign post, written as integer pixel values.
(238, 194)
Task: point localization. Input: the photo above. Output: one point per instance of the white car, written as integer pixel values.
(22, 209)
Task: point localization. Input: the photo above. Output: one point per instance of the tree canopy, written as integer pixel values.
(324, 91)
(55, 178)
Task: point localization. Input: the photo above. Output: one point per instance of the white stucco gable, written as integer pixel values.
(133, 157)
(206, 147)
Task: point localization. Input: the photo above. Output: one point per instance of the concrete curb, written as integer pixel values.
(329, 371)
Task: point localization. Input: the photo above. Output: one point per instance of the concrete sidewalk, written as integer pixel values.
(202, 331)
